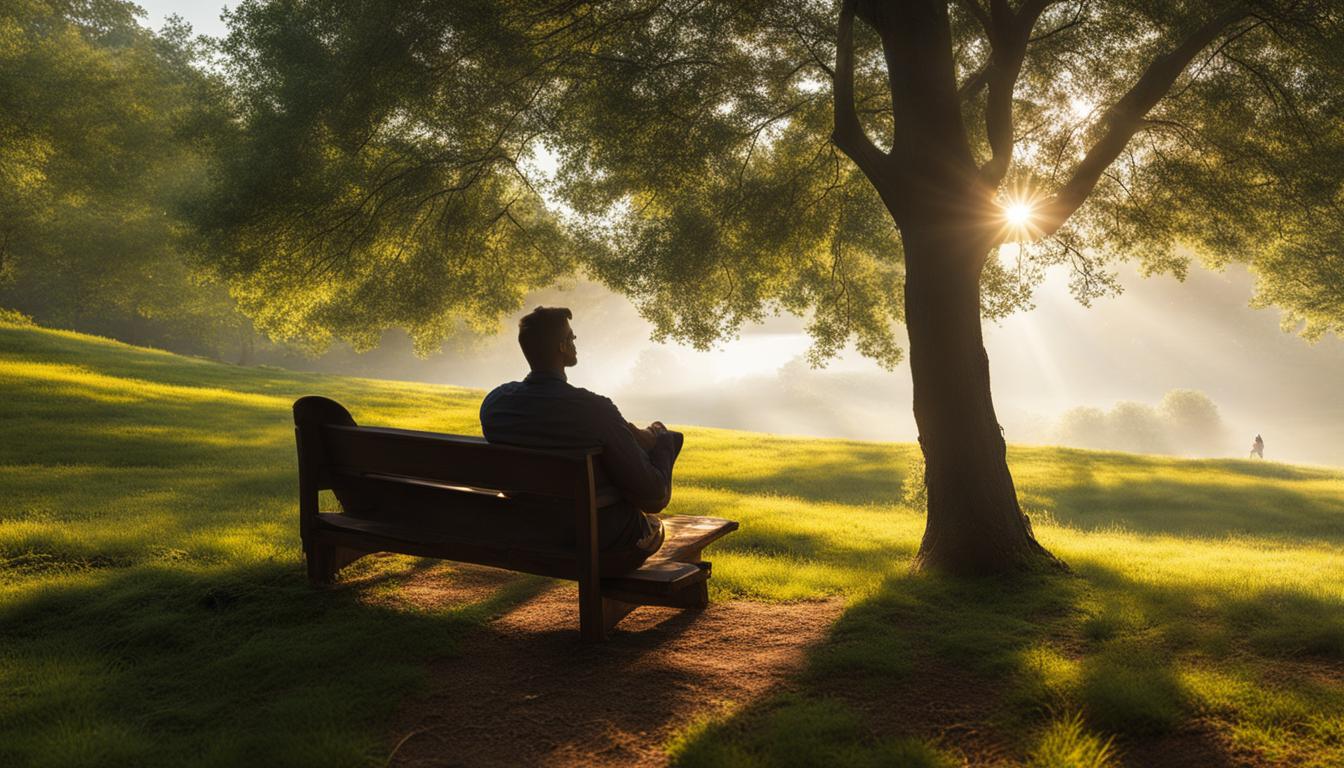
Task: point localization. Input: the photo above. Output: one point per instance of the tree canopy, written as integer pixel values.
(391, 167)
(105, 130)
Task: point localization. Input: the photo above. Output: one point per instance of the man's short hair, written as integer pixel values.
(540, 330)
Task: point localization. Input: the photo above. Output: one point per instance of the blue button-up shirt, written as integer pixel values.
(545, 411)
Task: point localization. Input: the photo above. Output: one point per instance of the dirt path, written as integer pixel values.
(525, 691)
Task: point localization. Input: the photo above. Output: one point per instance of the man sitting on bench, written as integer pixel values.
(545, 411)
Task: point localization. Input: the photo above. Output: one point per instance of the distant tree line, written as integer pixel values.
(1186, 422)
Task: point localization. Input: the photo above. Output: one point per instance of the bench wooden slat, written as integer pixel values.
(663, 577)
(377, 536)
(686, 535)
(662, 574)
(452, 460)
(606, 494)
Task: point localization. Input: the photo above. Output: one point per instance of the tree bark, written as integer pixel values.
(975, 525)
(944, 206)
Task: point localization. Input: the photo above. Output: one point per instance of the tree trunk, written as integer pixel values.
(975, 525)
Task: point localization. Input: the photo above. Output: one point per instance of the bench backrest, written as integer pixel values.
(449, 483)
(452, 460)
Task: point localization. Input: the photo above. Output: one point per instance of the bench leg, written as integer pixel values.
(698, 595)
(592, 619)
(325, 560)
(615, 610)
(695, 596)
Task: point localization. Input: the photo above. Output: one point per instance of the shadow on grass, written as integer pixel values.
(159, 665)
(978, 670)
(1195, 508)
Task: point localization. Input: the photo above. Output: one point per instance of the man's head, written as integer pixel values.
(547, 340)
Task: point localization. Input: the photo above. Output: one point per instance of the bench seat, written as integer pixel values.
(674, 567)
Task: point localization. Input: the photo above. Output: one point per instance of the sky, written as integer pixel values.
(1160, 335)
(203, 15)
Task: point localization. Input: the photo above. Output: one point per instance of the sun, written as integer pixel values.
(1017, 214)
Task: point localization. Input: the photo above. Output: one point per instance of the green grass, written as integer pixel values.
(153, 609)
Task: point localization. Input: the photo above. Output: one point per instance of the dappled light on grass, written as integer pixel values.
(790, 549)
(1207, 498)
(149, 552)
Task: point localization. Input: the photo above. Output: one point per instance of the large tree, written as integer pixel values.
(859, 163)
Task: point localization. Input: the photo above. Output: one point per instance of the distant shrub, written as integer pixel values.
(1186, 422)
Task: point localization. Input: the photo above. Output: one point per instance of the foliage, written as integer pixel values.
(14, 317)
(367, 190)
(105, 129)
(153, 608)
(394, 165)
(366, 183)
(1233, 163)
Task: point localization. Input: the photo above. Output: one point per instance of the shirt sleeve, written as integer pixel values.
(644, 479)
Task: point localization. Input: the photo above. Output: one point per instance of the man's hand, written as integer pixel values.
(648, 436)
(644, 437)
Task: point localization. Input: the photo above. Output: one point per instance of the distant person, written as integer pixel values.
(1258, 447)
(545, 411)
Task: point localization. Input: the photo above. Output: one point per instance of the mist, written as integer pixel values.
(1182, 369)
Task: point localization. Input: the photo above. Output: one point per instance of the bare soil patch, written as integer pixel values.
(526, 691)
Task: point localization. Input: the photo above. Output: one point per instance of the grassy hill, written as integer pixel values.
(153, 608)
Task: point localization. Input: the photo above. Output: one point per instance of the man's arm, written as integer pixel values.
(644, 479)
(643, 436)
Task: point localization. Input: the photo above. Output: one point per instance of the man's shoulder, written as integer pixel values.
(594, 400)
(506, 388)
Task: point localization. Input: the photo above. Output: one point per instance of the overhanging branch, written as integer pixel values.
(1009, 34)
(974, 83)
(848, 134)
(1125, 119)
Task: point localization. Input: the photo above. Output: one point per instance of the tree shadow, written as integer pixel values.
(979, 668)
(1197, 508)
(1158, 495)
(230, 665)
(527, 691)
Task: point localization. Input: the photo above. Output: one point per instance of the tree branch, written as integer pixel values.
(977, 10)
(977, 80)
(1126, 118)
(848, 134)
(1009, 34)
(1065, 26)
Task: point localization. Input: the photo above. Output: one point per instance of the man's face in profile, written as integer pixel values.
(567, 348)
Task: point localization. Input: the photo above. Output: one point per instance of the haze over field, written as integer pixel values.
(1054, 367)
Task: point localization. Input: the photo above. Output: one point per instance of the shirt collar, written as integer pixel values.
(537, 377)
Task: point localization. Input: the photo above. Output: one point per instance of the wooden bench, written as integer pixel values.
(463, 499)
